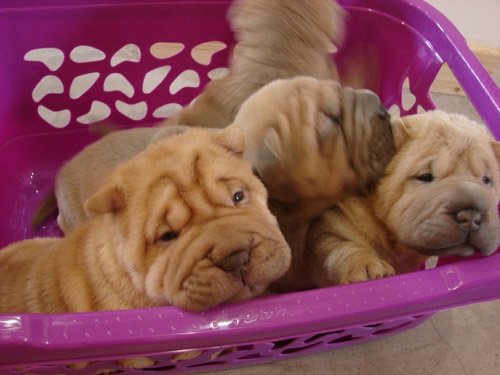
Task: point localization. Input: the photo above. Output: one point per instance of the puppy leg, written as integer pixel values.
(350, 262)
(343, 244)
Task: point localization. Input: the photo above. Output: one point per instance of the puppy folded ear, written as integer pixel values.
(231, 139)
(110, 198)
(400, 131)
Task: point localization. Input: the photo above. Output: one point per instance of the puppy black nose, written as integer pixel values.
(234, 261)
(469, 220)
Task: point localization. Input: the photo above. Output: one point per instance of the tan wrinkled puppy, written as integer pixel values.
(80, 177)
(183, 223)
(439, 197)
(277, 39)
(313, 143)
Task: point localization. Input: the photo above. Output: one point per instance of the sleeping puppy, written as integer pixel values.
(313, 143)
(183, 223)
(277, 39)
(439, 196)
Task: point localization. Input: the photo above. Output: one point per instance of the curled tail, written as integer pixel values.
(47, 207)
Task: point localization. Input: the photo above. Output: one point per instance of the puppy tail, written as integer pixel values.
(46, 209)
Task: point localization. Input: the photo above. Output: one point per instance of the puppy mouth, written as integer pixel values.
(461, 232)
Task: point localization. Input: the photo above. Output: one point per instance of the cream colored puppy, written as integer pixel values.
(183, 223)
(439, 196)
(313, 143)
(277, 39)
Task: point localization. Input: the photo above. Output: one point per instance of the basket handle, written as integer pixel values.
(451, 47)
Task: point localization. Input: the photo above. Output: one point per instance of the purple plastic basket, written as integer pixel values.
(41, 128)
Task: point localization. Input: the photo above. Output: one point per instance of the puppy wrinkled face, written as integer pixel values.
(441, 192)
(197, 228)
(312, 139)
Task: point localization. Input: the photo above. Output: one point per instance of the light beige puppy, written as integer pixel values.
(439, 197)
(313, 143)
(81, 176)
(277, 39)
(183, 223)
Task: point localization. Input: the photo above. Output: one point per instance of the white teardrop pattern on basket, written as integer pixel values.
(134, 112)
(167, 110)
(58, 119)
(203, 53)
(82, 84)
(218, 73)
(188, 78)
(117, 82)
(48, 85)
(98, 111)
(129, 52)
(86, 54)
(166, 50)
(53, 58)
(154, 78)
(409, 99)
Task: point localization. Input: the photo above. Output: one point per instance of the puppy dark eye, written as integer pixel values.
(426, 177)
(169, 236)
(486, 180)
(238, 197)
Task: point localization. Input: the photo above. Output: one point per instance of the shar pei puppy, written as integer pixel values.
(313, 143)
(184, 223)
(439, 196)
(276, 39)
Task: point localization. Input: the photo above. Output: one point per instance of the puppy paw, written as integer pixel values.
(368, 270)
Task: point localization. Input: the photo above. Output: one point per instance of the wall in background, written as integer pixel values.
(479, 23)
(477, 20)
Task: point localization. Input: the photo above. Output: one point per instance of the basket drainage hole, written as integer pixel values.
(344, 339)
(208, 364)
(295, 350)
(389, 330)
(321, 335)
(156, 369)
(282, 343)
(253, 356)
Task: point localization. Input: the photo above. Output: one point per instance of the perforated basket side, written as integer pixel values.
(204, 359)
